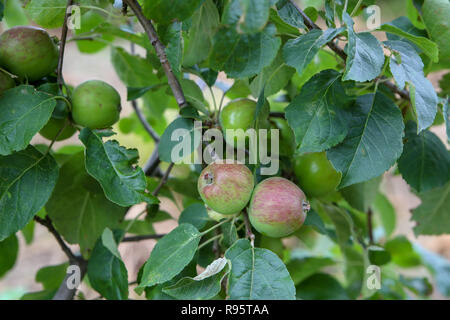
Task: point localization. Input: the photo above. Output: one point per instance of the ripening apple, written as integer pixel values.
(278, 207)
(226, 188)
(95, 104)
(6, 82)
(28, 52)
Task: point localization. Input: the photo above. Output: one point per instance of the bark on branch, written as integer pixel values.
(160, 51)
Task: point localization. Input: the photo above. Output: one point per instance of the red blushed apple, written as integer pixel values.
(226, 188)
(278, 207)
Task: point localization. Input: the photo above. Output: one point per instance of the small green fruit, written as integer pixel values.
(52, 128)
(277, 208)
(226, 188)
(239, 114)
(28, 52)
(95, 104)
(315, 174)
(6, 82)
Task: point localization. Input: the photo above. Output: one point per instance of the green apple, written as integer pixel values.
(316, 175)
(28, 52)
(95, 104)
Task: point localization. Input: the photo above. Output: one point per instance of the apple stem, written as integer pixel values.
(248, 229)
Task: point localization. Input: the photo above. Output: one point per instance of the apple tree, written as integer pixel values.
(343, 106)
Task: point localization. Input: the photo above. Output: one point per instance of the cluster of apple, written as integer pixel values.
(30, 55)
(277, 207)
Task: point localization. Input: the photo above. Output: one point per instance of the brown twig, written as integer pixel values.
(144, 122)
(277, 115)
(163, 180)
(64, 292)
(340, 52)
(370, 226)
(160, 51)
(143, 237)
(47, 222)
(248, 228)
(62, 46)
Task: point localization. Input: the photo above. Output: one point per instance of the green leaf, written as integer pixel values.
(319, 114)
(229, 232)
(107, 273)
(243, 55)
(313, 219)
(299, 52)
(426, 45)
(374, 141)
(402, 252)
(78, 206)
(15, 14)
(113, 166)
(250, 16)
(272, 78)
(420, 286)
(88, 22)
(446, 112)
(133, 70)
(321, 286)
(289, 14)
(47, 13)
(361, 195)
(9, 249)
(432, 216)
(28, 232)
(365, 55)
(28, 179)
(194, 95)
(179, 140)
(257, 274)
(171, 254)
(51, 277)
(439, 266)
(204, 286)
(110, 243)
(303, 267)
(174, 48)
(410, 70)
(383, 207)
(378, 255)
(425, 161)
(205, 21)
(23, 112)
(196, 215)
(163, 11)
(2, 8)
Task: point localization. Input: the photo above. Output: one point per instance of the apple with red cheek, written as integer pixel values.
(278, 207)
(226, 188)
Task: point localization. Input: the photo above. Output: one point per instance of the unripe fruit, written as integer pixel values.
(316, 176)
(28, 52)
(226, 188)
(95, 104)
(287, 138)
(238, 114)
(277, 208)
(6, 82)
(52, 128)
